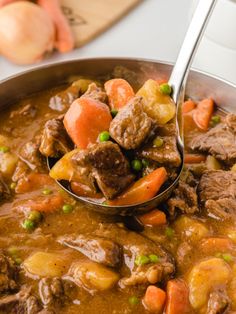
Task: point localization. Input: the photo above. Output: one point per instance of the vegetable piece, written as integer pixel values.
(177, 297)
(153, 218)
(28, 224)
(153, 258)
(67, 208)
(23, 44)
(169, 232)
(114, 112)
(142, 260)
(8, 163)
(81, 189)
(136, 165)
(119, 92)
(64, 37)
(133, 300)
(233, 168)
(32, 182)
(215, 120)
(204, 277)
(215, 245)
(64, 169)
(158, 106)
(104, 136)
(47, 191)
(93, 276)
(202, 114)
(44, 264)
(165, 88)
(190, 229)
(35, 216)
(212, 163)
(188, 106)
(85, 119)
(154, 299)
(158, 142)
(143, 189)
(4, 149)
(227, 257)
(194, 158)
(232, 235)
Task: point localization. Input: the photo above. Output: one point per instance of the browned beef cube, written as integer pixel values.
(131, 126)
(108, 166)
(217, 192)
(168, 153)
(219, 141)
(55, 141)
(95, 92)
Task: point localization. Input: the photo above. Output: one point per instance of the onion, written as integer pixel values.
(26, 32)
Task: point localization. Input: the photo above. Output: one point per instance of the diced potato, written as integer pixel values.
(8, 163)
(204, 277)
(64, 169)
(43, 264)
(233, 168)
(93, 276)
(158, 106)
(232, 288)
(190, 228)
(212, 163)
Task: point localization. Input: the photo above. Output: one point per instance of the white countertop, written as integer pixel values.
(154, 29)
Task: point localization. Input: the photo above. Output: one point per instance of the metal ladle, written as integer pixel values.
(177, 81)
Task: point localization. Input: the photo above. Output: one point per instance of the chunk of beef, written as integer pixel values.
(28, 111)
(168, 153)
(95, 92)
(29, 153)
(183, 254)
(134, 245)
(51, 291)
(219, 141)
(218, 302)
(22, 302)
(184, 198)
(8, 274)
(108, 166)
(55, 141)
(131, 126)
(217, 192)
(97, 249)
(4, 190)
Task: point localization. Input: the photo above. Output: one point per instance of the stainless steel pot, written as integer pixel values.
(199, 85)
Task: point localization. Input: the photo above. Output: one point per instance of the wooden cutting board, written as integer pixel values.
(88, 18)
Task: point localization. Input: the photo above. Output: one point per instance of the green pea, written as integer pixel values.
(142, 260)
(47, 191)
(227, 257)
(104, 136)
(13, 251)
(145, 163)
(169, 232)
(13, 185)
(28, 224)
(114, 112)
(165, 88)
(18, 260)
(133, 300)
(4, 149)
(158, 142)
(136, 164)
(216, 119)
(67, 208)
(35, 216)
(153, 258)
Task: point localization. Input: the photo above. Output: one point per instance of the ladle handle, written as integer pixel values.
(189, 46)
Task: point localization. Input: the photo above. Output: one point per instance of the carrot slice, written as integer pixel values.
(177, 297)
(119, 92)
(142, 190)
(194, 158)
(154, 299)
(84, 190)
(216, 245)
(202, 114)
(188, 106)
(33, 182)
(161, 81)
(85, 119)
(153, 218)
(65, 40)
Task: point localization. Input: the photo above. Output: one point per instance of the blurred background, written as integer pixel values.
(155, 29)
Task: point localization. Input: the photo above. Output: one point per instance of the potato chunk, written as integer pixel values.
(158, 106)
(191, 229)
(93, 276)
(43, 264)
(204, 277)
(8, 163)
